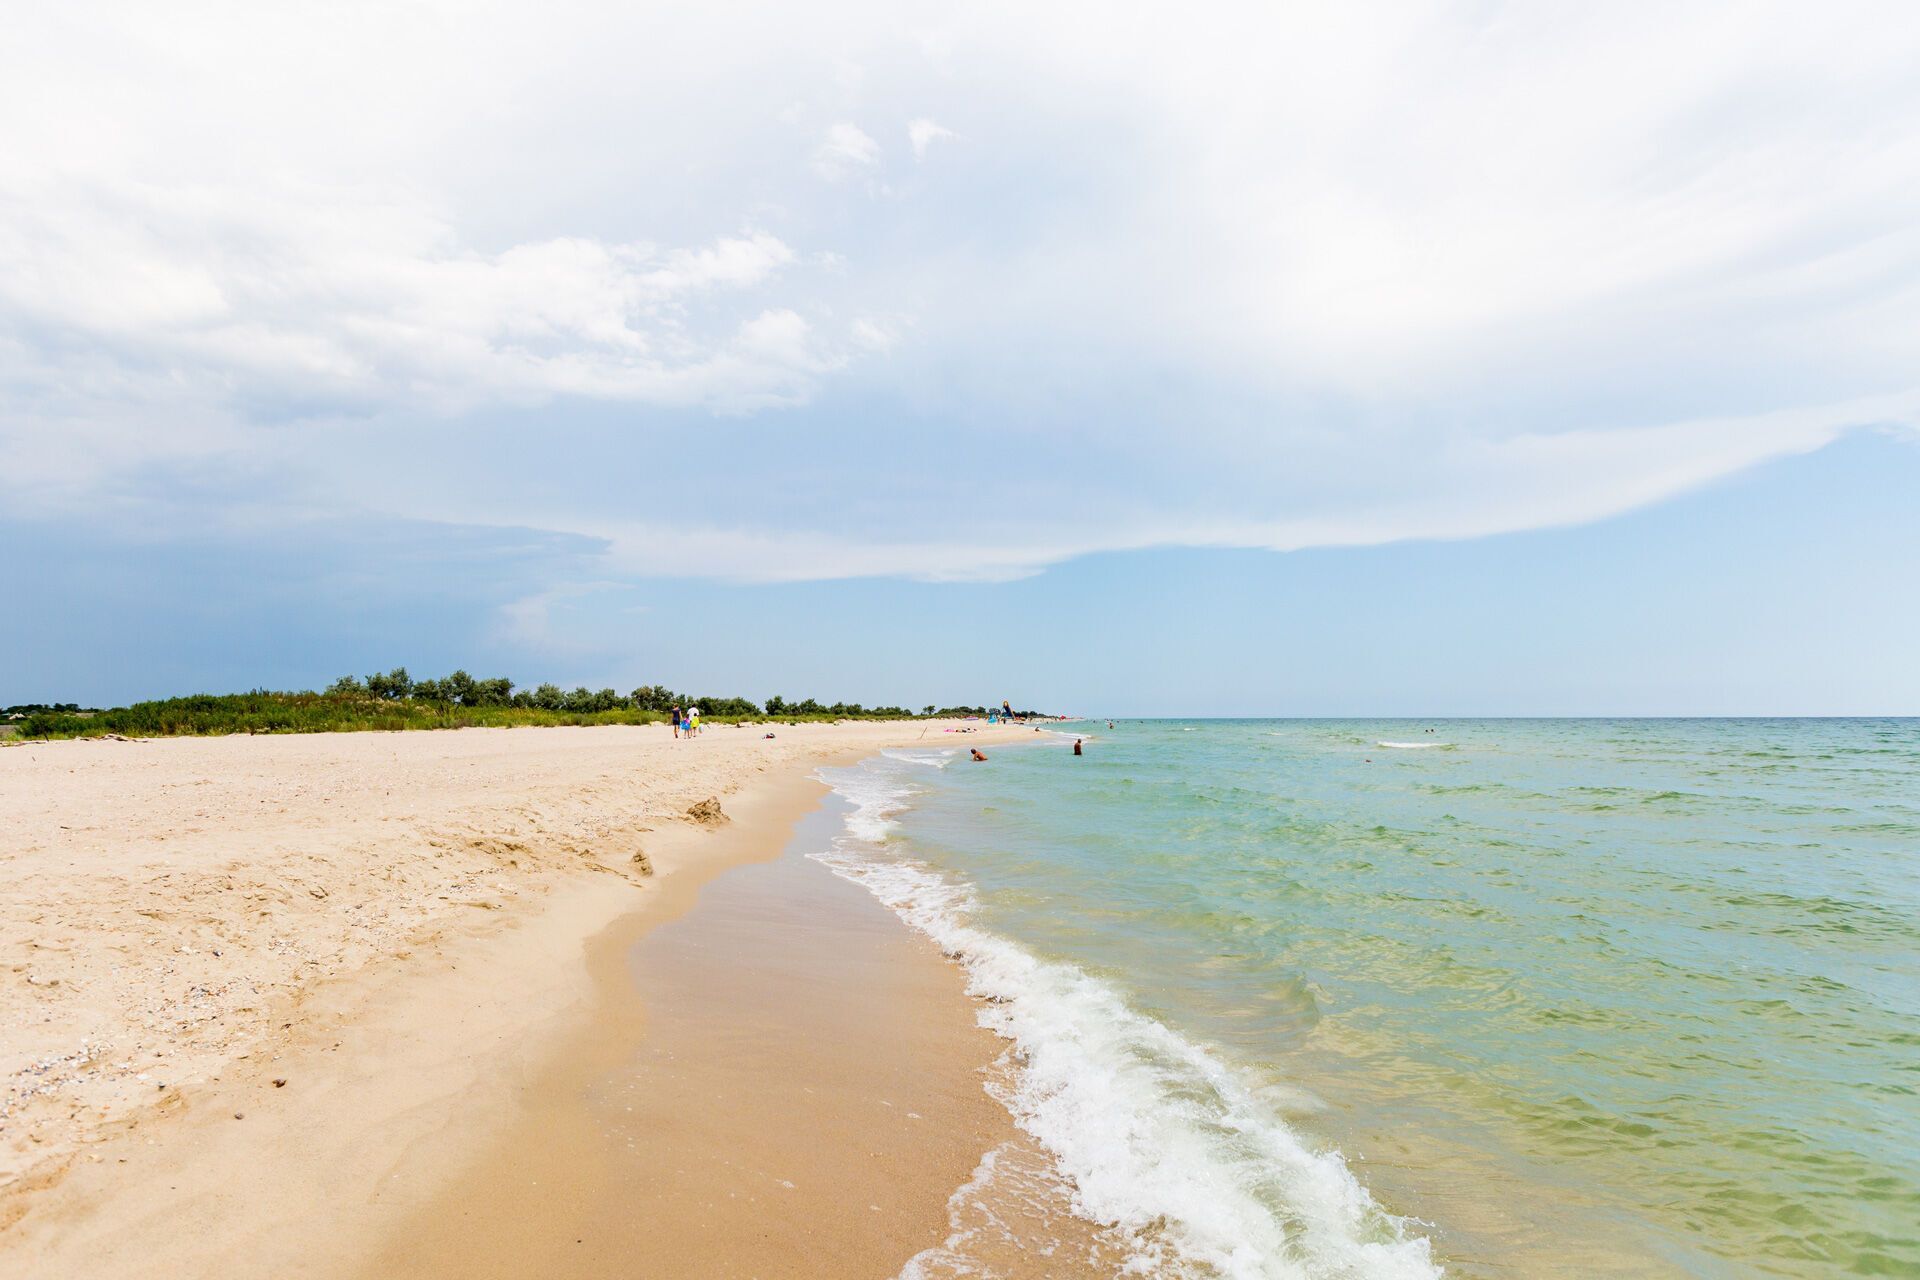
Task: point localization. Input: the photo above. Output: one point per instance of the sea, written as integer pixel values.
(1412, 998)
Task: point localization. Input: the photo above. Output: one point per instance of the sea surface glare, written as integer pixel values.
(1291, 998)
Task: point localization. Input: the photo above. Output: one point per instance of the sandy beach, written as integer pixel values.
(319, 1005)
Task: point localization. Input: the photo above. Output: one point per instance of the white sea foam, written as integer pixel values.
(938, 757)
(1154, 1137)
(877, 792)
(1412, 746)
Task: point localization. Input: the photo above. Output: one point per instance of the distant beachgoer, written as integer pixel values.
(1006, 709)
(676, 720)
(693, 720)
(1076, 747)
(978, 754)
(1109, 724)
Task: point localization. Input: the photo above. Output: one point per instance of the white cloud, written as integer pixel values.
(923, 133)
(874, 334)
(1318, 274)
(843, 149)
(733, 263)
(291, 294)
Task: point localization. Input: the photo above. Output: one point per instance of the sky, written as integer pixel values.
(1422, 358)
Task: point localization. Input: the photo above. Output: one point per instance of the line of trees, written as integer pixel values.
(461, 689)
(779, 706)
(957, 712)
(394, 700)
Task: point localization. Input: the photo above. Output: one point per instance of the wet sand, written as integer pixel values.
(782, 1082)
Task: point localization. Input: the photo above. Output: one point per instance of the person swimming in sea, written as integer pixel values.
(1076, 748)
(978, 754)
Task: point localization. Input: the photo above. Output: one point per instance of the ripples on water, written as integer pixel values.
(1588, 996)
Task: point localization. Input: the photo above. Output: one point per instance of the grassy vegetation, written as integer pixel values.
(394, 701)
(264, 712)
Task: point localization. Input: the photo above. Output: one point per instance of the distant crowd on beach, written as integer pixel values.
(685, 724)
(1006, 715)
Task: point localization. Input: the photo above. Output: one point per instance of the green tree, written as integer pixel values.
(393, 686)
(736, 707)
(497, 692)
(655, 697)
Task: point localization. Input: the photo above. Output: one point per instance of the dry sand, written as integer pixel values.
(395, 925)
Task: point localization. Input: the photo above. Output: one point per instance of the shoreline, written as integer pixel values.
(401, 1069)
(774, 1070)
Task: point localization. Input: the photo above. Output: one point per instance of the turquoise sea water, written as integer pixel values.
(1583, 997)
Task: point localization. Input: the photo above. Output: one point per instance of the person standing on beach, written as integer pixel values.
(693, 721)
(675, 713)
